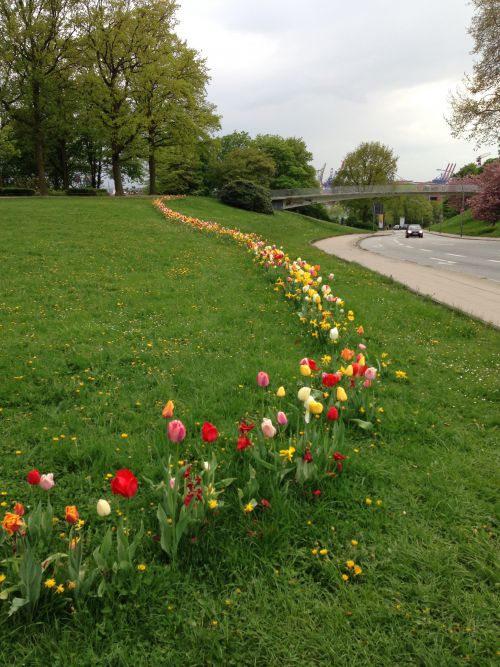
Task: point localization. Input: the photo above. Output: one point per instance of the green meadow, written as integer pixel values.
(107, 310)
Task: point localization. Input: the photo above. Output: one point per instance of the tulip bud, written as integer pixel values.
(281, 418)
(262, 379)
(268, 429)
(349, 371)
(334, 333)
(341, 395)
(176, 431)
(168, 410)
(305, 370)
(103, 508)
(371, 373)
(281, 392)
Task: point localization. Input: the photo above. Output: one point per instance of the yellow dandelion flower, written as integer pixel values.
(213, 504)
(401, 375)
(357, 570)
(345, 577)
(49, 583)
(141, 567)
(323, 552)
(350, 564)
(314, 552)
(354, 543)
(248, 508)
(2, 578)
(378, 502)
(60, 589)
(368, 501)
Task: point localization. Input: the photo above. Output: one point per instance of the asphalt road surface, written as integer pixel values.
(466, 256)
(446, 269)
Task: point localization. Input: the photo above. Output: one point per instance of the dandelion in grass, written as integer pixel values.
(401, 375)
(141, 567)
(50, 583)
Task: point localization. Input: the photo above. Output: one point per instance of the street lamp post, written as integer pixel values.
(462, 213)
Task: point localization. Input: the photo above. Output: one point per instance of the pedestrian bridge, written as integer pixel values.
(284, 199)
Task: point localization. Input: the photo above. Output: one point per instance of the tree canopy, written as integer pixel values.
(476, 104)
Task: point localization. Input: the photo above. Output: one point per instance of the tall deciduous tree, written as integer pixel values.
(120, 41)
(486, 204)
(371, 163)
(171, 97)
(476, 105)
(292, 160)
(36, 38)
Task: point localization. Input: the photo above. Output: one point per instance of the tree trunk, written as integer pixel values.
(152, 171)
(38, 140)
(63, 156)
(117, 172)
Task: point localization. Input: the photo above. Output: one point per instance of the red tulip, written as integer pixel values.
(332, 414)
(244, 427)
(208, 432)
(330, 379)
(337, 456)
(33, 477)
(309, 362)
(124, 483)
(243, 442)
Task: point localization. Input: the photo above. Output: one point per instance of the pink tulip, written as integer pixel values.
(362, 346)
(46, 481)
(281, 418)
(367, 383)
(176, 431)
(268, 429)
(262, 379)
(371, 373)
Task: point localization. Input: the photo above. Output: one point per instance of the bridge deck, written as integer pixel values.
(284, 199)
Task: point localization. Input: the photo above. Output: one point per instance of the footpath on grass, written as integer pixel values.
(476, 297)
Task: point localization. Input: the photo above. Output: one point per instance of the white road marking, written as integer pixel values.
(443, 261)
(451, 254)
(494, 260)
(424, 250)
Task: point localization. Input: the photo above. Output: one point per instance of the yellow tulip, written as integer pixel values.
(305, 370)
(281, 392)
(341, 395)
(349, 371)
(315, 407)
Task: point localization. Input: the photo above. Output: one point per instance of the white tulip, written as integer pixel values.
(103, 507)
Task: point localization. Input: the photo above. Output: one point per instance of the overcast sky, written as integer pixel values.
(337, 73)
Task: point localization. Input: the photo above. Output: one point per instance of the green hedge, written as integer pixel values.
(86, 192)
(247, 195)
(16, 192)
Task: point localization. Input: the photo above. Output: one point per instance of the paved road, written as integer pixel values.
(476, 258)
(475, 296)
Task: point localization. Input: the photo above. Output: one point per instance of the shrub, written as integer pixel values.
(86, 192)
(16, 192)
(247, 195)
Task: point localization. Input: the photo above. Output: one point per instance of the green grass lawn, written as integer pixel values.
(465, 224)
(108, 310)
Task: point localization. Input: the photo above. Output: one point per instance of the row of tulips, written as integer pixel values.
(322, 312)
(297, 438)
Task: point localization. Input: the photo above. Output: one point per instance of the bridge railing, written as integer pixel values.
(378, 190)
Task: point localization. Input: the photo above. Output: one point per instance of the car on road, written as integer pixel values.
(414, 230)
